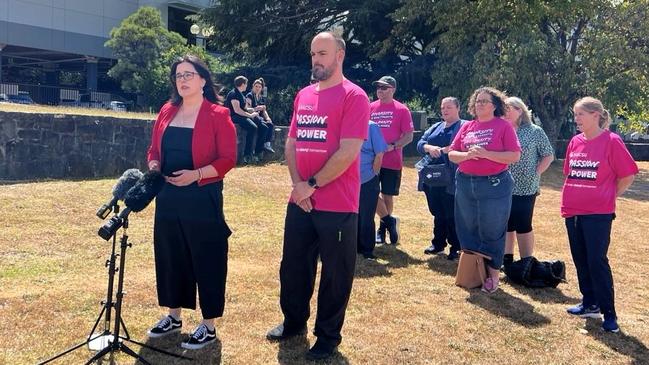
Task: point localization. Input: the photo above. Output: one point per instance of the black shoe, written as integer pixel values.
(165, 326)
(320, 351)
(393, 230)
(369, 256)
(453, 255)
(380, 233)
(432, 250)
(278, 333)
(201, 337)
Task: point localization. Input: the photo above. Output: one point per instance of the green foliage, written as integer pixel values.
(145, 50)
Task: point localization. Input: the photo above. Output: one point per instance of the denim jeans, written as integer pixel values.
(482, 206)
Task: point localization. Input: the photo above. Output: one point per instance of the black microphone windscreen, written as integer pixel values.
(143, 192)
(128, 179)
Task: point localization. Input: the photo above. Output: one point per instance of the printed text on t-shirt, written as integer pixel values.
(312, 128)
(480, 137)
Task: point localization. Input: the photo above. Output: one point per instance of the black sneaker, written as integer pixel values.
(610, 324)
(432, 250)
(453, 255)
(320, 351)
(278, 333)
(165, 326)
(201, 337)
(370, 256)
(393, 230)
(380, 233)
(268, 148)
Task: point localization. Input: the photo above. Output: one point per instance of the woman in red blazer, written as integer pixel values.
(194, 145)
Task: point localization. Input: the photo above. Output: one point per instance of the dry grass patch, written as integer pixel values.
(404, 308)
(50, 109)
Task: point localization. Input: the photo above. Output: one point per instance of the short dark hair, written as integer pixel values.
(497, 98)
(210, 90)
(240, 80)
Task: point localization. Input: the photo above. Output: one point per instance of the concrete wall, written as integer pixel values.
(38, 146)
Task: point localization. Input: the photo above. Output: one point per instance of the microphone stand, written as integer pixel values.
(107, 342)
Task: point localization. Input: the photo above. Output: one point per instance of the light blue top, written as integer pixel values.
(372, 146)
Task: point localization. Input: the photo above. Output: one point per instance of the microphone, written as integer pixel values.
(122, 186)
(136, 199)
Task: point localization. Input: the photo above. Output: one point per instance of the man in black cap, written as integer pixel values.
(396, 125)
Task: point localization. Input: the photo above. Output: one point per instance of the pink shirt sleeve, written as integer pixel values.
(456, 145)
(356, 116)
(620, 159)
(406, 121)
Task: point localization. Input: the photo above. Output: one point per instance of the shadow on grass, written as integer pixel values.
(507, 306)
(543, 295)
(208, 355)
(442, 265)
(389, 257)
(619, 342)
(293, 351)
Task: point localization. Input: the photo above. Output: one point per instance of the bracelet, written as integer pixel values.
(200, 175)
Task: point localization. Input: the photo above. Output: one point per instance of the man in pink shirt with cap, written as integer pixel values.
(396, 125)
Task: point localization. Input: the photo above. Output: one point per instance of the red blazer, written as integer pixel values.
(214, 141)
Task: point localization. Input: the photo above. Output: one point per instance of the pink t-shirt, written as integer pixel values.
(592, 168)
(495, 135)
(394, 119)
(320, 120)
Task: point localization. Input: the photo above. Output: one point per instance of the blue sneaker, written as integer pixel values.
(580, 311)
(610, 324)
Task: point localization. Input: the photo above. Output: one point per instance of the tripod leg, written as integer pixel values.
(100, 354)
(133, 354)
(63, 353)
(157, 349)
(126, 335)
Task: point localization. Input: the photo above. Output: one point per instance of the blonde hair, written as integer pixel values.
(593, 105)
(526, 116)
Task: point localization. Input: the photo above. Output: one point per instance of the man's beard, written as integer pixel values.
(321, 73)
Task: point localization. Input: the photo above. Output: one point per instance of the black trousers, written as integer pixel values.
(442, 206)
(255, 128)
(590, 236)
(332, 236)
(190, 240)
(366, 210)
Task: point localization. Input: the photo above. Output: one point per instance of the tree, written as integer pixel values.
(145, 50)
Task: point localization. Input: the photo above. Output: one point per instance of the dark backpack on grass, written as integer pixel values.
(533, 273)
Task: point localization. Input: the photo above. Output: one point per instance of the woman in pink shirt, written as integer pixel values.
(483, 149)
(598, 169)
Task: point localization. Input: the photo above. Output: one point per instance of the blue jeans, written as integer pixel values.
(590, 236)
(482, 206)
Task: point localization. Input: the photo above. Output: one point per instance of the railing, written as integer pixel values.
(53, 95)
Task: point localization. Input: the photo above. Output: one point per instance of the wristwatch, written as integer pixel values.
(312, 183)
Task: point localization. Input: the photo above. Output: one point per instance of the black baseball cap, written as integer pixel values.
(386, 81)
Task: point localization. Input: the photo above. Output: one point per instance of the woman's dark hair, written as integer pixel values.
(210, 90)
(240, 80)
(497, 99)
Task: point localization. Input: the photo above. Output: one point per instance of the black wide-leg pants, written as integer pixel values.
(191, 248)
(332, 236)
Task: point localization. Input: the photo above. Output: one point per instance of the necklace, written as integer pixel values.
(187, 117)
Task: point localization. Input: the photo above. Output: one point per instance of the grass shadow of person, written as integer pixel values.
(507, 306)
(543, 295)
(442, 265)
(619, 342)
(293, 351)
(208, 355)
(389, 257)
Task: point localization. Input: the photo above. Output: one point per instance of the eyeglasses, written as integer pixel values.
(383, 88)
(184, 76)
(483, 102)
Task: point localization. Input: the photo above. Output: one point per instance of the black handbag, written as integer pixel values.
(435, 175)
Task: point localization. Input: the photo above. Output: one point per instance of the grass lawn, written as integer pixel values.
(404, 309)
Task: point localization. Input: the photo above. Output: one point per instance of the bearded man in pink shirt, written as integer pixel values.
(396, 125)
